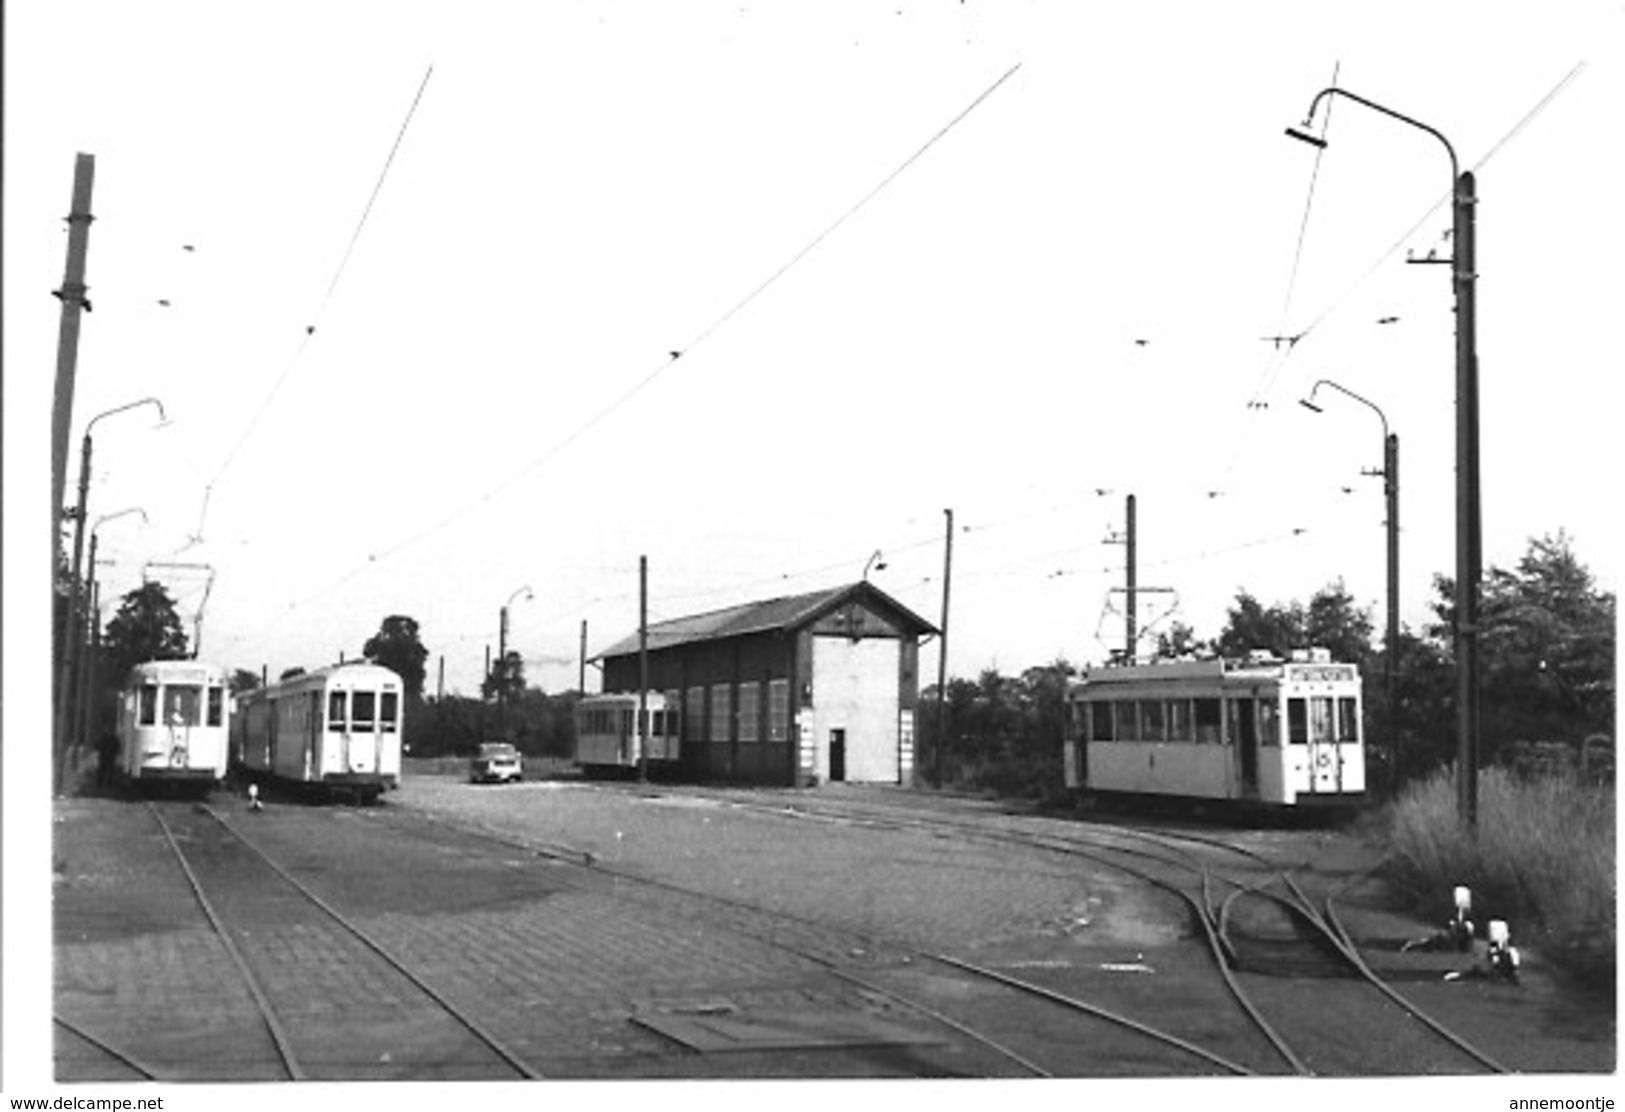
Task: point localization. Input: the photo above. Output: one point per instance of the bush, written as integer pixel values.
(1543, 860)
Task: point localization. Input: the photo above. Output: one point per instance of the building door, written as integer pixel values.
(837, 756)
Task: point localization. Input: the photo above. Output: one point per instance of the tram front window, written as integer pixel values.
(183, 704)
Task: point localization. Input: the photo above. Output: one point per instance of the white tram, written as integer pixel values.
(337, 728)
(607, 733)
(173, 724)
(1286, 733)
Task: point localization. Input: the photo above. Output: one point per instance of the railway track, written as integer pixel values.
(890, 966)
(1261, 963)
(331, 1002)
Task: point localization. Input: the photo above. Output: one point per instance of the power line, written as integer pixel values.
(310, 328)
(672, 357)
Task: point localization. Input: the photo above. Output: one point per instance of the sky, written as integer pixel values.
(452, 306)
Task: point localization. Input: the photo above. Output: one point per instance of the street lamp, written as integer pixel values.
(1390, 489)
(1469, 530)
(876, 563)
(93, 640)
(70, 654)
(502, 642)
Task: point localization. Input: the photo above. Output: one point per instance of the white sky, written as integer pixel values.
(586, 187)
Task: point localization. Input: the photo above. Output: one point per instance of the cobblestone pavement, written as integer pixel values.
(580, 971)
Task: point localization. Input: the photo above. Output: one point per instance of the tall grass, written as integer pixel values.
(1543, 860)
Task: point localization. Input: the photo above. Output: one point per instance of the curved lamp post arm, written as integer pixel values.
(1309, 402)
(1314, 105)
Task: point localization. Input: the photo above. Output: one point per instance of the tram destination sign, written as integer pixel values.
(1321, 673)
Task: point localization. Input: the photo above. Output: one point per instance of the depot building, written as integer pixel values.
(796, 691)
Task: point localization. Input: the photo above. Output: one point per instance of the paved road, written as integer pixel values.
(590, 975)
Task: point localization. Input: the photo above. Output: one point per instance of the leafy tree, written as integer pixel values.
(146, 627)
(396, 646)
(243, 680)
(291, 673)
(506, 680)
(1546, 650)
(1180, 640)
(1330, 621)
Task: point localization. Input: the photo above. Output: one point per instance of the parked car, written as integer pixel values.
(496, 763)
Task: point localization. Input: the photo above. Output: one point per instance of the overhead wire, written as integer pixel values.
(321, 307)
(650, 376)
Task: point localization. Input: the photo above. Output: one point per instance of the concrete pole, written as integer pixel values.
(643, 669)
(1131, 618)
(1390, 471)
(942, 656)
(72, 295)
(1469, 559)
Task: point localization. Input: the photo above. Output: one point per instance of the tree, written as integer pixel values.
(243, 680)
(1330, 621)
(146, 627)
(1546, 650)
(1180, 640)
(507, 679)
(396, 646)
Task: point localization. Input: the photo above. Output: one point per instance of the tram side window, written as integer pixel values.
(1100, 722)
(389, 712)
(1348, 720)
(1179, 720)
(363, 708)
(1127, 715)
(335, 710)
(1269, 723)
(1151, 720)
(1297, 722)
(217, 704)
(1207, 721)
(149, 704)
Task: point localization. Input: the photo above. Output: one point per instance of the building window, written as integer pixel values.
(693, 714)
(720, 712)
(778, 710)
(750, 711)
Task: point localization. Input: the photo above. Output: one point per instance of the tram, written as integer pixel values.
(1283, 733)
(337, 729)
(608, 737)
(173, 724)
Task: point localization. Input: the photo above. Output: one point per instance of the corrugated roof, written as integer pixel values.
(755, 617)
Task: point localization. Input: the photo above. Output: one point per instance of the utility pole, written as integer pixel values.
(72, 296)
(1132, 632)
(643, 669)
(502, 665)
(440, 680)
(942, 656)
(1469, 524)
(581, 666)
(1390, 471)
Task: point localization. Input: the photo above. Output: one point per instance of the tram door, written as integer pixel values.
(1246, 723)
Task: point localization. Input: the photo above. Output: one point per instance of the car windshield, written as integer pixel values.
(497, 752)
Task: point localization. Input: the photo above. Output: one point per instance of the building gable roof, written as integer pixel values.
(791, 612)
